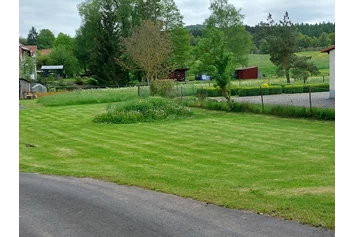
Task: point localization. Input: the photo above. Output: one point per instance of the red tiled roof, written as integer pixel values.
(326, 50)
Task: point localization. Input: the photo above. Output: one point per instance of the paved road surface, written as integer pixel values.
(318, 99)
(65, 206)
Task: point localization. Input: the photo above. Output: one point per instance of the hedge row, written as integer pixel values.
(267, 90)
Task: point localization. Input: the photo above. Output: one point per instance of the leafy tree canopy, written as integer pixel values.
(45, 39)
(32, 36)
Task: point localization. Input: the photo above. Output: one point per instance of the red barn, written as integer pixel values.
(247, 73)
(178, 74)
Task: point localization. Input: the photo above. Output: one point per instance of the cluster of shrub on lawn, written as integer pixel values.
(143, 110)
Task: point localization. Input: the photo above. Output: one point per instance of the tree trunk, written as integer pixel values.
(226, 95)
(288, 75)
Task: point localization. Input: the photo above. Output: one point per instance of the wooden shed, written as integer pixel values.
(24, 88)
(179, 74)
(247, 73)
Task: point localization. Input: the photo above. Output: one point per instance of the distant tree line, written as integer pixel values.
(310, 36)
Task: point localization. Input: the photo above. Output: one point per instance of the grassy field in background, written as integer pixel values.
(281, 167)
(321, 60)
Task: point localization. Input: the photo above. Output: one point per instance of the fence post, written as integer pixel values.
(262, 99)
(139, 90)
(310, 97)
(181, 94)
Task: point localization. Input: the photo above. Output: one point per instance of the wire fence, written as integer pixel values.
(306, 99)
(310, 98)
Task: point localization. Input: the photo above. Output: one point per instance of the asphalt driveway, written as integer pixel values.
(73, 207)
(317, 99)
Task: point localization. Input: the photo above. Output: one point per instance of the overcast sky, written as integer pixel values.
(62, 15)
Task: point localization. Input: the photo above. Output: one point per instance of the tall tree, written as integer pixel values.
(170, 15)
(227, 18)
(282, 42)
(65, 40)
(82, 49)
(103, 23)
(32, 36)
(212, 51)
(180, 38)
(84, 42)
(148, 49)
(45, 39)
(149, 9)
(107, 44)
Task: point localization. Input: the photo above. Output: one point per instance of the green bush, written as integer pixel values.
(316, 88)
(79, 81)
(247, 91)
(142, 110)
(210, 92)
(163, 88)
(234, 91)
(92, 81)
(290, 89)
(273, 90)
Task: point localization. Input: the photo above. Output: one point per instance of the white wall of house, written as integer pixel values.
(332, 73)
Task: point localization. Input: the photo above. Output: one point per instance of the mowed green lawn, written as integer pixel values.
(276, 166)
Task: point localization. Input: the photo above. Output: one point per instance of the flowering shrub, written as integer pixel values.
(265, 85)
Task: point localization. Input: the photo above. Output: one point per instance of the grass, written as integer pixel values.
(278, 166)
(321, 60)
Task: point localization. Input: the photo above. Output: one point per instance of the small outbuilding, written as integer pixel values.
(24, 88)
(247, 73)
(179, 74)
(55, 70)
(38, 87)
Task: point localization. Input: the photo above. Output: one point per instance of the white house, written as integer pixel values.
(331, 51)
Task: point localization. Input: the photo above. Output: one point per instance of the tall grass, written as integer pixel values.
(91, 96)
